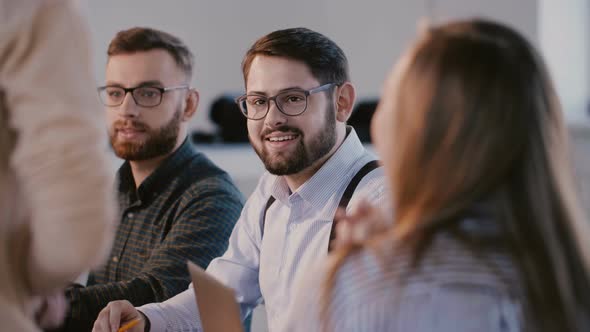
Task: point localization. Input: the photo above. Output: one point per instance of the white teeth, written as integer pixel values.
(282, 138)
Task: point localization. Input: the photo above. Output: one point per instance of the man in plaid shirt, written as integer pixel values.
(175, 203)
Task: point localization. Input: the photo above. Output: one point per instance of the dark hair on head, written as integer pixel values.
(140, 39)
(325, 59)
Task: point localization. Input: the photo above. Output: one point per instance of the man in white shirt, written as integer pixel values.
(298, 100)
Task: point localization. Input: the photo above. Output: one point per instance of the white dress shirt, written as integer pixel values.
(296, 234)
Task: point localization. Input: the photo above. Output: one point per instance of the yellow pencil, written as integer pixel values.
(129, 325)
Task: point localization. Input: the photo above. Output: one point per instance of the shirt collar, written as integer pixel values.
(327, 180)
(162, 175)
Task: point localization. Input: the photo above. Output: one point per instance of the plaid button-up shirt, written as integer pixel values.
(185, 210)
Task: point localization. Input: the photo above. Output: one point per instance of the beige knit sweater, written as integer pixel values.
(56, 198)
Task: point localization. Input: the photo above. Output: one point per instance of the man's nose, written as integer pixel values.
(274, 117)
(129, 107)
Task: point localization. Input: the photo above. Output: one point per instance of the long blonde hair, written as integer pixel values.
(477, 118)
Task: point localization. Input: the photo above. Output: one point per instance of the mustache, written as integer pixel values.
(283, 129)
(129, 124)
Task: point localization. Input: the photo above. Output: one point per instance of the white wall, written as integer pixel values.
(520, 14)
(372, 33)
(564, 32)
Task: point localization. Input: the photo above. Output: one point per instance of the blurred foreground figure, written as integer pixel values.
(487, 232)
(56, 203)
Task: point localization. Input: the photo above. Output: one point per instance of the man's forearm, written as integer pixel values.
(178, 313)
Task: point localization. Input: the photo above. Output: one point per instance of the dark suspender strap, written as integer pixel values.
(268, 204)
(370, 166)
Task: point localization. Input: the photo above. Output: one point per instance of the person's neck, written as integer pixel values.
(294, 181)
(141, 169)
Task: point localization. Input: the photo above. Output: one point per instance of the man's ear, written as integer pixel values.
(191, 104)
(345, 97)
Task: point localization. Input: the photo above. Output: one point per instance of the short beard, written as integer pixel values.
(302, 157)
(159, 142)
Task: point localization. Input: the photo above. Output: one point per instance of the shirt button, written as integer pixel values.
(115, 259)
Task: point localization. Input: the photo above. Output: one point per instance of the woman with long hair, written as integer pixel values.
(487, 233)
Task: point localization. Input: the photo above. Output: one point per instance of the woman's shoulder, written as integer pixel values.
(449, 284)
(446, 259)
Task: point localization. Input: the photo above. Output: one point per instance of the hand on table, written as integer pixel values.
(117, 314)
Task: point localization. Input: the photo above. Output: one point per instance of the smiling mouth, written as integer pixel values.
(282, 138)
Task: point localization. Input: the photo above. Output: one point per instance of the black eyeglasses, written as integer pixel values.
(145, 96)
(290, 102)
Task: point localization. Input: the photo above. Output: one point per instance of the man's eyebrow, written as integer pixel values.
(141, 84)
(150, 83)
(282, 90)
(111, 83)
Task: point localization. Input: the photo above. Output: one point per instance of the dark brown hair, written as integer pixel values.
(325, 59)
(477, 119)
(140, 39)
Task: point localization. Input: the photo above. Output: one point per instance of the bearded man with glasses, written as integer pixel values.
(175, 203)
(298, 99)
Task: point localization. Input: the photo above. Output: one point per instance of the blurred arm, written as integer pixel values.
(60, 158)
